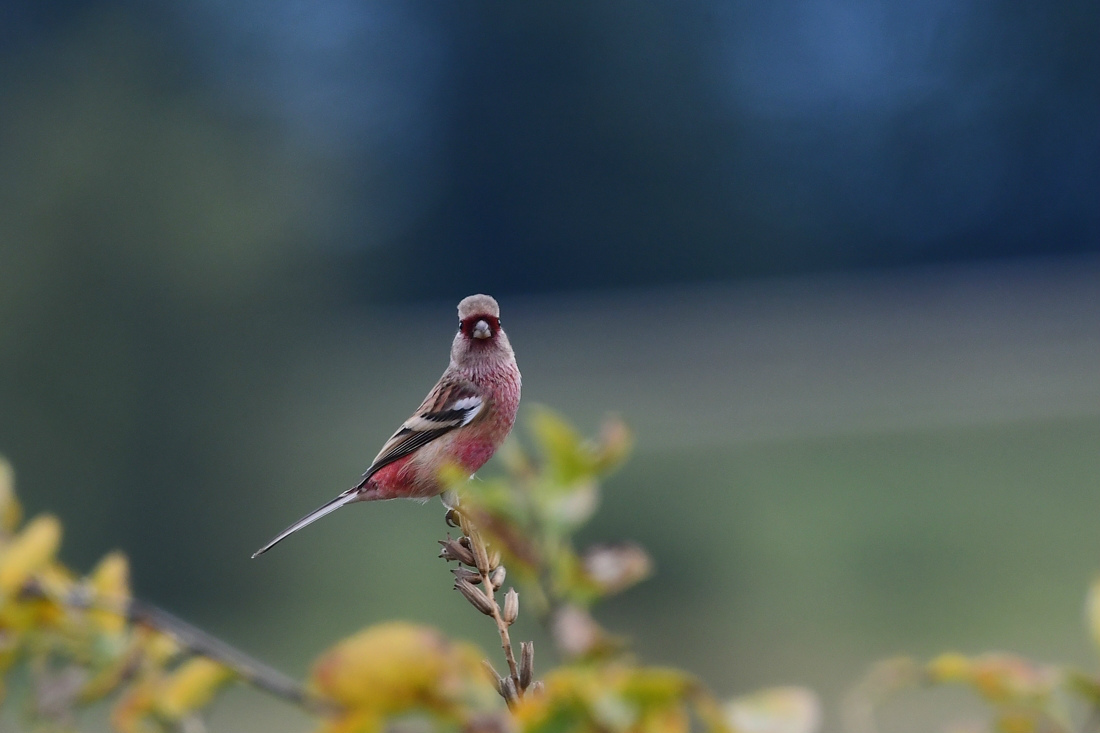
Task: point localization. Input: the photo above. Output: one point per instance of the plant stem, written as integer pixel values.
(502, 627)
(484, 564)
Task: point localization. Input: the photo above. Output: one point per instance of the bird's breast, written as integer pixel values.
(474, 454)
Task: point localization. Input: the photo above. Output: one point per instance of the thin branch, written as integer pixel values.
(192, 638)
(490, 593)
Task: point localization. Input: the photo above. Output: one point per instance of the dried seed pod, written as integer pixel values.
(508, 691)
(538, 687)
(497, 577)
(453, 550)
(472, 576)
(494, 559)
(476, 598)
(511, 607)
(526, 664)
(493, 674)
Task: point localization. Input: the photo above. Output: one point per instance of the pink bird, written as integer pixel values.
(461, 422)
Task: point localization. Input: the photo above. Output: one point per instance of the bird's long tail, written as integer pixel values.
(345, 498)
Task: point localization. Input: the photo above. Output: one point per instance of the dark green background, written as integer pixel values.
(836, 264)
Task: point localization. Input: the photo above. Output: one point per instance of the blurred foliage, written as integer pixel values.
(74, 636)
(395, 669)
(547, 495)
(81, 641)
(1022, 695)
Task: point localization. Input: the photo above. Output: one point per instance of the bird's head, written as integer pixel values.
(480, 338)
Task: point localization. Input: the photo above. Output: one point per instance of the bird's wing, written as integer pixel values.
(452, 404)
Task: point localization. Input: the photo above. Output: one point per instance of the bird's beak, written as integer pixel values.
(481, 330)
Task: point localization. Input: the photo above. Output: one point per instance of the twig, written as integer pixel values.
(488, 587)
(192, 638)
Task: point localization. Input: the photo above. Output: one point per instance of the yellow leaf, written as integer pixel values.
(615, 697)
(57, 582)
(397, 666)
(1006, 677)
(657, 685)
(10, 510)
(950, 667)
(29, 552)
(130, 712)
(158, 648)
(1018, 721)
(110, 584)
(191, 687)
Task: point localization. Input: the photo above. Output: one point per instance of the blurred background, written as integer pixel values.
(836, 261)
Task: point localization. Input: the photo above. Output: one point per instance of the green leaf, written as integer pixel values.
(567, 458)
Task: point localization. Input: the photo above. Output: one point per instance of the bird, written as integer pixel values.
(462, 421)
